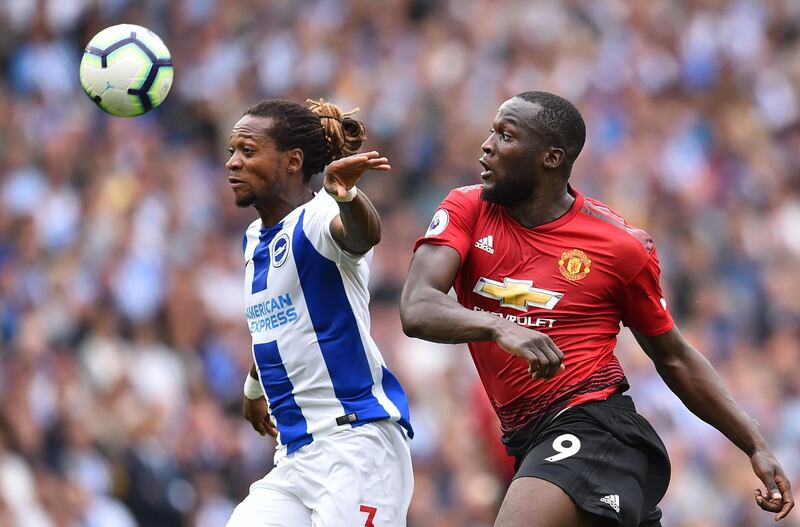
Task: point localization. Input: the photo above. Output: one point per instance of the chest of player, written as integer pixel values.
(273, 293)
(538, 278)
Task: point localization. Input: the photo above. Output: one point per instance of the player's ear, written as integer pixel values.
(294, 163)
(553, 157)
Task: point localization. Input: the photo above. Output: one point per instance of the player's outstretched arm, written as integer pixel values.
(696, 383)
(357, 228)
(428, 312)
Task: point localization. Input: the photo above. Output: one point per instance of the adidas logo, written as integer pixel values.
(612, 500)
(486, 243)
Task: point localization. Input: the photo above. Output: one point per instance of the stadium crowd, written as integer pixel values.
(123, 345)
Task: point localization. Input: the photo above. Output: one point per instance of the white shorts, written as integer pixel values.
(356, 477)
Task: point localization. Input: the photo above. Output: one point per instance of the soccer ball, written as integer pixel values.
(126, 70)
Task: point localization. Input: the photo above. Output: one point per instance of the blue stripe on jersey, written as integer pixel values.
(291, 422)
(244, 242)
(394, 391)
(261, 258)
(337, 332)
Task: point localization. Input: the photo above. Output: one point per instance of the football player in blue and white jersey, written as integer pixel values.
(340, 417)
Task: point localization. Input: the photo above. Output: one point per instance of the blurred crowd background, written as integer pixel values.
(123, 344)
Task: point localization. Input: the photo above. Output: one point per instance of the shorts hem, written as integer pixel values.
(580, 503)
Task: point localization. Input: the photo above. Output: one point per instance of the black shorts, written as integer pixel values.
(606, 457)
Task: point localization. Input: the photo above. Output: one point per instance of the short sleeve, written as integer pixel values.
(454, 221)
(643, 305)
(317, 227)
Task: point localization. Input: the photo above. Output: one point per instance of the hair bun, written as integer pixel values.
(344, 134)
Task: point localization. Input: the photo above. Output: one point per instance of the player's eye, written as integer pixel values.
(503, 136)
(230, 150)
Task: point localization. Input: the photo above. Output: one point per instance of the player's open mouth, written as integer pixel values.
(486, 173)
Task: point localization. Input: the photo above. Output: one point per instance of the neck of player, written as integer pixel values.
(547, 203)
(278, 206)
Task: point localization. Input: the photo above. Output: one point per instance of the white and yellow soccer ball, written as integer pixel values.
(126, 70)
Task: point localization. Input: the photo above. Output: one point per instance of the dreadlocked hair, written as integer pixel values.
(321, 130)
(344, 134)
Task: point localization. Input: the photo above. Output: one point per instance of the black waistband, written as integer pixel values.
(520, 441)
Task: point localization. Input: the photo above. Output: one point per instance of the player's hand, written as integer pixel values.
(542, 355)
(341, 175)
(255, 411)
(778, 497)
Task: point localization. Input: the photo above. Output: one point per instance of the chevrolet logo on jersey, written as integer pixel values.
(517, 294)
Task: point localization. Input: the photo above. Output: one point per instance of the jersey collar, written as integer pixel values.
(561, 220)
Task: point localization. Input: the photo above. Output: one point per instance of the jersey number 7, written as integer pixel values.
(371, 512)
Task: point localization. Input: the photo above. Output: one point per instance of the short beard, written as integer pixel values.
(246, 201)
(508, 192)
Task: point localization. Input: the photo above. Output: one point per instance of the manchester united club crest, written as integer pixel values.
(574, 265)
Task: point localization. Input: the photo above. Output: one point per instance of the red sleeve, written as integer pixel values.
(643, 306)
(454, 221)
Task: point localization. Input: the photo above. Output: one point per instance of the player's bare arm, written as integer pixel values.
(357, 228)
(428, 312)
(257, 412)
(692, 378)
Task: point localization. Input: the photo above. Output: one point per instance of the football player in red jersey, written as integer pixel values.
(543, 277)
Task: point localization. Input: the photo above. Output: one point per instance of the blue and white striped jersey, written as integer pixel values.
(307, 309)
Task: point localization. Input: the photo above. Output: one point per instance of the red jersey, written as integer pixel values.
(575, 279)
